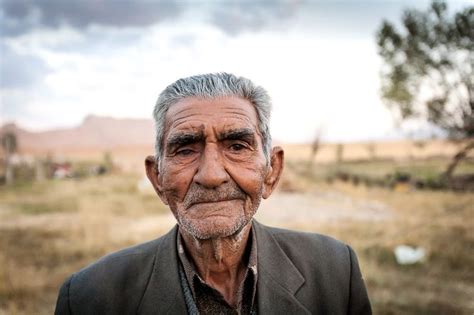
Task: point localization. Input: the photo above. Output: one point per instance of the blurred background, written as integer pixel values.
(373, 104)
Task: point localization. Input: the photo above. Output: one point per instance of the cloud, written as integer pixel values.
(232, 17)
(20, 16)
(236, 17)
(20, 70)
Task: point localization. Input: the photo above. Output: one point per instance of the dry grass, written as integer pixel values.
(40, 246)
(439, 221)
(396, 150)
(50, 229)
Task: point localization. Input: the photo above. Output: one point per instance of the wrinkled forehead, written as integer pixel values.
(221, 113)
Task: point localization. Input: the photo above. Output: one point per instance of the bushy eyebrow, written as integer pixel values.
(181, 139)
(245, 134)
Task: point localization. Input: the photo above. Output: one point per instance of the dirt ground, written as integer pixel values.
(53, 228)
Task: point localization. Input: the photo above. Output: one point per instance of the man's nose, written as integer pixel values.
(211, 172)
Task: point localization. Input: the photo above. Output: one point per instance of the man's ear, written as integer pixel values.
(154, 177)
(274, 171)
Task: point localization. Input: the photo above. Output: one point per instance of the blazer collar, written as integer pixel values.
(278, 278)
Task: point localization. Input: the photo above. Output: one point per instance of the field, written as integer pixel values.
(49, 229)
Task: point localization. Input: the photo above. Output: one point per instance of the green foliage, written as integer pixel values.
(9, 142)
(428, 70)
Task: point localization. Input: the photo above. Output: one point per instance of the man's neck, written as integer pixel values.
(220, 261)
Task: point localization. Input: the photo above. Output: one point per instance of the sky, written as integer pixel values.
(63, 60)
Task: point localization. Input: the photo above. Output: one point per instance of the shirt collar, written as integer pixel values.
(190, 269)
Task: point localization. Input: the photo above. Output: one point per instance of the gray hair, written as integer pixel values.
(214, 85)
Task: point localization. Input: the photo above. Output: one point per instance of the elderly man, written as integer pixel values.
(213, 165)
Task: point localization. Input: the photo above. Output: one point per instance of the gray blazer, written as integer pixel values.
(298, 273)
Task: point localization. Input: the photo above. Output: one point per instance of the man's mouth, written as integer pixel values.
(197, 195)
(211, 201)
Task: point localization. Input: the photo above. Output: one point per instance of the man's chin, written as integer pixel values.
(214, 228)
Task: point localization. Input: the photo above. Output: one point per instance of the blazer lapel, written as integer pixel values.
(163, 294)
(278, 278)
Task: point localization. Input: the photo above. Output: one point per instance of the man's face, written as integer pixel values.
(213, 171)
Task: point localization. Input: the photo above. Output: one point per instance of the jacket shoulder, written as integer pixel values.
(310, 245)
(330, 269)
(122, 260)
(318, 257)
(114, 284)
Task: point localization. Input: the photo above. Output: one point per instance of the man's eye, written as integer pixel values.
(184, 152)
(237, 147)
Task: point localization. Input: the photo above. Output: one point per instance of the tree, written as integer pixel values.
(9, 145)
(372, 151)
(315, 144)
(339, 153)
(428, 70)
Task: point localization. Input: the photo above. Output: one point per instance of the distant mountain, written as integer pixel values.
(95, 132)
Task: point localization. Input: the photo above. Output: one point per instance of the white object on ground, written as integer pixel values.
(407, 255)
